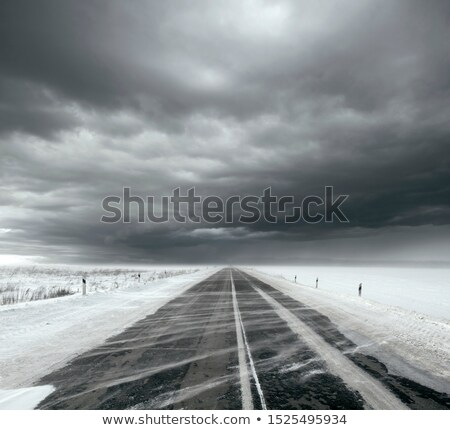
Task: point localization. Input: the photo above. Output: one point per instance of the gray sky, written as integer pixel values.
(229, 97)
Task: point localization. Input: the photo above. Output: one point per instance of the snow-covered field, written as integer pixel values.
(30, 283)
(386, 321)
(39, 336)
(402, 317)
(425, 291)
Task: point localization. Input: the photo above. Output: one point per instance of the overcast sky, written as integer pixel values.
(229, 97)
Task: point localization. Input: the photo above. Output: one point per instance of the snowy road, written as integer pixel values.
(233, 341)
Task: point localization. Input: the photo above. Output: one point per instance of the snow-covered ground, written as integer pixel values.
(24, 398)
(425, 291)
(412, 344)
(40, 336)
(30, 283)
(402, 317)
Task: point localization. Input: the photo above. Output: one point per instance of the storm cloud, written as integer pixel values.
(229, 97)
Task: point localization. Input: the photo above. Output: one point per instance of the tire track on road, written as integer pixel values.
(373, 392)
(291, 375)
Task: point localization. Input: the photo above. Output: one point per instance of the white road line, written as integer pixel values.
(247, 401)
(372, 391)
(246, 392)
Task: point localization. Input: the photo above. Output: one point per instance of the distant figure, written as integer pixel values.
(359, 290)
(317, 282)
(84, 286)
(139, 277)
(295, 278)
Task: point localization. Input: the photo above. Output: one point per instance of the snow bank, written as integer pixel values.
(38, 337)
(24, 398)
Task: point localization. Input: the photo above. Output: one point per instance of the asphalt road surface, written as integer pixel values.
(233, 342)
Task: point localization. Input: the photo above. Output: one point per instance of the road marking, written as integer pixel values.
(247, 401)
(246, 393)
(372, 391)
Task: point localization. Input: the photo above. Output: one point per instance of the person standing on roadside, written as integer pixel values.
(360, 289)
(317, 282)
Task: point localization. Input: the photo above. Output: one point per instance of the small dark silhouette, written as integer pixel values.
(139, 277)
(359, 289)
(84, 281)
(317, 282)
(295, 278)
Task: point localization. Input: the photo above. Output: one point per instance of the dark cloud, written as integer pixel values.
(230, 97)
